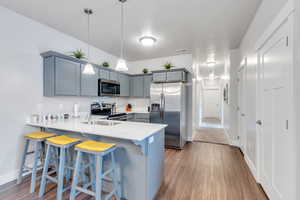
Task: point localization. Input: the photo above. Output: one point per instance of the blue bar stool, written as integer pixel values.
(58, 146)
(37, 138)
(96, 152)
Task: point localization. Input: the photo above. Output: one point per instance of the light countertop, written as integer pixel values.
(134, 131)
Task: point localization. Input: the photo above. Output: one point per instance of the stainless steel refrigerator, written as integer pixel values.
(169, 106)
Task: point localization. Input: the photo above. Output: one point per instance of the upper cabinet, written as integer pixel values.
(124, 80)
(159, 77)
(147, 85)
(140, 85)
(176, 75)
(89, 83)
(137, 86)
(61, 77)
(113, 76)
(104, 74)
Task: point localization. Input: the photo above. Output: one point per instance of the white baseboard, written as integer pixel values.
(251, 166)
(8, 177)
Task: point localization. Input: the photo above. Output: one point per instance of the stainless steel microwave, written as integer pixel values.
(108, 88)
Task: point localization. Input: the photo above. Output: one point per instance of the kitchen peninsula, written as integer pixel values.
(140, 153)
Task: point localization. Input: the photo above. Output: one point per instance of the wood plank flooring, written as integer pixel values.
(206, 171)
(201, 171)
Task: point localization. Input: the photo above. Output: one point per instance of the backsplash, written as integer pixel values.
(50, 105)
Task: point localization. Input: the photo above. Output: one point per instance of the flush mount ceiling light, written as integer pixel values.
(88, 68)
(121, 65)
(147, 41)
(211, 63)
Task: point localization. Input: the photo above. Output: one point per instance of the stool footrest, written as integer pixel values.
(52, 179)
(89, 192)
(114, 191)
(108, 172)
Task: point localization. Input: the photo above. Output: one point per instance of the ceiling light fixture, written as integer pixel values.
(88, 68)
(211, 63)
(121, 65)
(147, 41)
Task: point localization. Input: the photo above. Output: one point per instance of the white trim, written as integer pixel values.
(251, 166)
(281, 17)
(8, 177)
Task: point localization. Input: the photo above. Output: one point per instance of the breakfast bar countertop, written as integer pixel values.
(135, 131)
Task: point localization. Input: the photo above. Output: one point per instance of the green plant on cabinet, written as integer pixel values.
(79, 54)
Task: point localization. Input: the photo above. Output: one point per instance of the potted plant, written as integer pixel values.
(145, 70)
(105, 64)
(168, 65)
(79, 54)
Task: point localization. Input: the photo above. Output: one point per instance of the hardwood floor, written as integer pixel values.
(211, 135)
(204, 171)
(201, 171)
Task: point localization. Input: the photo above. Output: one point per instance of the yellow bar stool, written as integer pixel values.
(37, 138)
(60, 146)
(96, 152)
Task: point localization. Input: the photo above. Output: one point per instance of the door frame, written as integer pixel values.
(285, 16)
(242, 137)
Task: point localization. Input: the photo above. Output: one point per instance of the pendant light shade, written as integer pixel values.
(121, 65)
(88, 68)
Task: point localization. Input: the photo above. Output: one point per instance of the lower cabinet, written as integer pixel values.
(138, 117)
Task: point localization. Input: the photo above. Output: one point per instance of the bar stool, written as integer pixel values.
(58, 146)
(96, 152)
(37, 138)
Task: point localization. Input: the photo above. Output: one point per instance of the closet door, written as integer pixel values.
(276, 137)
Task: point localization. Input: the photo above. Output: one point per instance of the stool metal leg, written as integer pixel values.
(99, 164)
(23, 162)
(60, 181)
(34, 168)
(115, 177)
(75, 176)
(92, 172)
(45, 171)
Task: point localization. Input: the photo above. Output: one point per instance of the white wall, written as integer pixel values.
(179, 61)
(21, 79)
(263, 18)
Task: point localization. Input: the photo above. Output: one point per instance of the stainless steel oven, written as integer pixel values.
(108, 88)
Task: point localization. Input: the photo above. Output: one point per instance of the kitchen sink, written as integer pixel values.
(102, 123)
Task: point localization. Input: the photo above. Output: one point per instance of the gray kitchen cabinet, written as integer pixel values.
(67, 77)
(113, 76)
(104, 74)
(174, 76)
(89, 83)
(124, 85)
(147, 85)
(159, 77)
(137, 86)
(138, 117)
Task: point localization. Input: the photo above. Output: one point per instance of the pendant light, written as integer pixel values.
(121, 65)
(88, 68)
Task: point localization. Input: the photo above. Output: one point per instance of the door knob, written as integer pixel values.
(259, 122)
(243, 115)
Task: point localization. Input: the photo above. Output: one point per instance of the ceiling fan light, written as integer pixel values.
(88, 69)
(147, 41)
(121, 65)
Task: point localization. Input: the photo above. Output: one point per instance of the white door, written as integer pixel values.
(276, 147)
(241, 107)
(211, 106)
